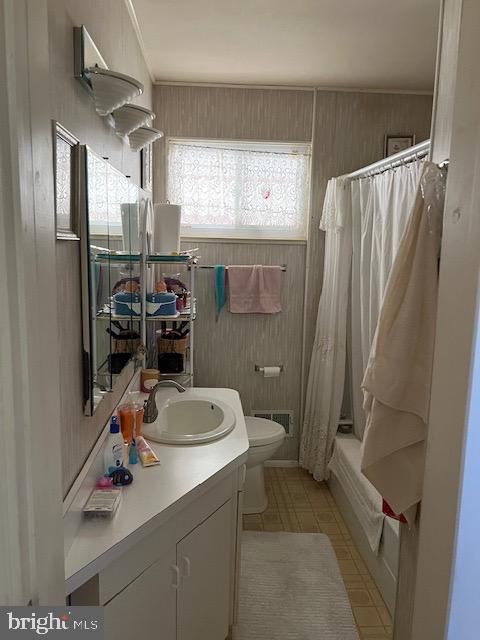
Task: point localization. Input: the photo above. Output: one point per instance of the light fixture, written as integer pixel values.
(111, 90)
(142, 137)
(131, 117)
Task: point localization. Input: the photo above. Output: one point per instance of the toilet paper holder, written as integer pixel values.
(261, 369)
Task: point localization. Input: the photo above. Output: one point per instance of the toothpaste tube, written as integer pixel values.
(146, 453)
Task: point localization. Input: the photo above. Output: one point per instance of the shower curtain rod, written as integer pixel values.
(402, 157)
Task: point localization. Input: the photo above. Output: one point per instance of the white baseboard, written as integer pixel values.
(281, 463)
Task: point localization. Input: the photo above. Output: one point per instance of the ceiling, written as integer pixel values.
(365, 44)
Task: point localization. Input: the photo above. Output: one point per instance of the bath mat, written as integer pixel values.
(291, 589)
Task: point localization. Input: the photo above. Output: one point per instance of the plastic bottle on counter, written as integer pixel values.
(133, 453)
(114, 447)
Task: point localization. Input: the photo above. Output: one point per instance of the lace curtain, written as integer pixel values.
(327, 366)
(247, 188)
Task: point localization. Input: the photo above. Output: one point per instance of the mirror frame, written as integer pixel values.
(62, 135)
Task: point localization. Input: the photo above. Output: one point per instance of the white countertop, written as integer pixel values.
(157, 493)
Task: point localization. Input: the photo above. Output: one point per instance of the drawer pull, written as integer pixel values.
(243, 475)
(176, 576)
(186, 564)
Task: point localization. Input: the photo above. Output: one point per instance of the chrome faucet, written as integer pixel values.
(150, 413)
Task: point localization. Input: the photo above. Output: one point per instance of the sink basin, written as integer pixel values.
(190, 421)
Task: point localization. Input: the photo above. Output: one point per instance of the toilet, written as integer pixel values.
(264, 437)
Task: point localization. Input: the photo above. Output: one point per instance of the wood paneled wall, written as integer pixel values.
(244, 114)
(231, 114)
(110, 26)
(349, 133)
(227, 351)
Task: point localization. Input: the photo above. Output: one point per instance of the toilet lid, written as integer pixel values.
(261, 431)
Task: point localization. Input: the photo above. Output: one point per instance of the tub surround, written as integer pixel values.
(157, 495)
(361, 507)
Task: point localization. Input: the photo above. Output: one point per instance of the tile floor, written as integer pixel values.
(298, 503)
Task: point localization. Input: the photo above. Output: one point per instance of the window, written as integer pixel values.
(240, 189)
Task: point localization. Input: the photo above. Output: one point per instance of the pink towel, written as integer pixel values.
(254, 289)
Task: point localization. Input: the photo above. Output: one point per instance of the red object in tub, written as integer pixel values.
(388, 511)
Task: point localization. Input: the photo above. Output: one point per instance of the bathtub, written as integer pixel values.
(376, 536)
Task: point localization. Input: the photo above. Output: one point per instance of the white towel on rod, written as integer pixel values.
(398, 375)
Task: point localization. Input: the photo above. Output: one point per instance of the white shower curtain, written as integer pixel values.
(380, 209)
(364, 221)
(327, 367)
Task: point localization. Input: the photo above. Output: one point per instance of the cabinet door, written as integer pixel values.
(146, 606)
(205, 561)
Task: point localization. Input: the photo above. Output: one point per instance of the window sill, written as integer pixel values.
(239, 240)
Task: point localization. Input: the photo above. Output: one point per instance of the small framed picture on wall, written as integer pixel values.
(397, 143)
(65, 148)
(146, 168)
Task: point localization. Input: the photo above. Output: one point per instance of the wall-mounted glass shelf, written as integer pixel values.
(117, 257)
(181, 315)
(181, 378)
(106, 314)
(184, 315)
(151, 259)
(154, 259)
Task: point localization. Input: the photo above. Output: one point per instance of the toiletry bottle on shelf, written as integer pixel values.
(114, 447)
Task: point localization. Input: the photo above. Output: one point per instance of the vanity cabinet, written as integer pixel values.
(147, 603)
(179, 581)
(205, 564)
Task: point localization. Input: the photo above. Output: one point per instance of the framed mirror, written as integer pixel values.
(111, 269)
(65, 161)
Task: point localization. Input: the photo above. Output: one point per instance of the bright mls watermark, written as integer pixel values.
(61, 622)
